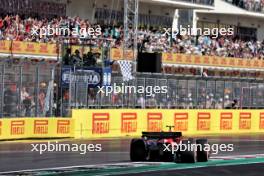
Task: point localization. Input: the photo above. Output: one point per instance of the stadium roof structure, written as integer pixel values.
(178, 4)
(225, 8)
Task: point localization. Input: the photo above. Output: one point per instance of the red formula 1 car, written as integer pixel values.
(168, 146)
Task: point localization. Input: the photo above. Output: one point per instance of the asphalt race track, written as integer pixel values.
(17, 156)
(238, 170)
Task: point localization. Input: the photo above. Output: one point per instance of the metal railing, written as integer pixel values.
(26, 90)
(183, 92)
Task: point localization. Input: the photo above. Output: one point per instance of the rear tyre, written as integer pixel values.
(188, 156)
(202, 154)
(138, 151)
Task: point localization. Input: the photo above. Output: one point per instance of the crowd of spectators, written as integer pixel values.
(251, 5)
(76, 59)
(26, 107)
(224, 46)
(149, 39)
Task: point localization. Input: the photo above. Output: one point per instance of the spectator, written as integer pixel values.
(149, 39)
(67, 57)
(26, 102)
(76, 59)
(141, 102)
(10, 101)
(41, 104)
(89, 60)
(251, 5)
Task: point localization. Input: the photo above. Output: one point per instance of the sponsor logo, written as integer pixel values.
(128, 122)
(248, 63)
(169, 57)
(30, 47)
(181, 121)
(63, 127)
(43, 48)
(226, 121)
(261, 121)
(3, 45)
(91, 77)
(203, 121)
(17, 127)
(155, 122)
(100, 123)
(245, 121)
(41, 126)
(16, 47)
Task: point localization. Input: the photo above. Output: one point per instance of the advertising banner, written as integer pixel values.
(23, 128)
(90, 76)
(117, 54)
(172, 58)
(108, 123)
(29, 48)
(84, 49)
(47, 49)
(131, 122)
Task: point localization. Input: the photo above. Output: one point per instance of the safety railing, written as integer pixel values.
(183, 92)
(26, 90)
(43, 90)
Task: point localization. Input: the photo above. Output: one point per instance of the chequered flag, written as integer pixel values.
(126, 69)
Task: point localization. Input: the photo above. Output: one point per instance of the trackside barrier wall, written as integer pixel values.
(121, 123)
(22, 128)
(131, 122)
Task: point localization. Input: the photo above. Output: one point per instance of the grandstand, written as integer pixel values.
(200, 71)
(82, 81)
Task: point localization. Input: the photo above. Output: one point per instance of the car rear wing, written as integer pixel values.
(161, 135)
